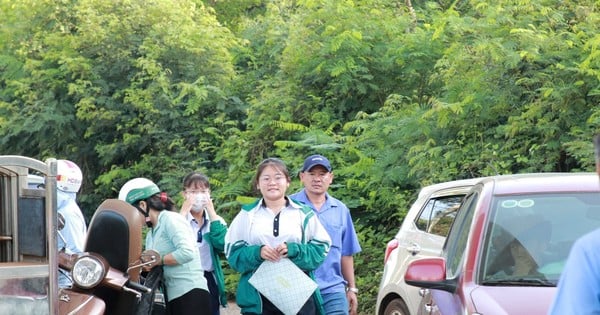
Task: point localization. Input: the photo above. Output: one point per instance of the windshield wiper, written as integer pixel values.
(537, 282)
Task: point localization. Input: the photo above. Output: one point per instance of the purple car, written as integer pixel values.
(508, 244)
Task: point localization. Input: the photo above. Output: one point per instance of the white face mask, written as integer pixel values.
(199, 202)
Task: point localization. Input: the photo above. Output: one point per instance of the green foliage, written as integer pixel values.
(397, 97)
(231, 13)
(121, 88)
(369, 265)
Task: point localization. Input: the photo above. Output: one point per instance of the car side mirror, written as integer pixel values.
(429, 273)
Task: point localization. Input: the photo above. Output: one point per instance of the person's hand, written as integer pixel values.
(188, 201)
(352, 302)
(269, 253)
(282, 249)
(151, 257)
(210, 207)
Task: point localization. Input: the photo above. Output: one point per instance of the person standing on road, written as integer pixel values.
(578, 289)
(170, 236)
(271, 228)
(209, 230)
(73, 234)
(335, 276)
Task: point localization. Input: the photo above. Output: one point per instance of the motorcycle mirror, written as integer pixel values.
(148, 257)
(61, 225)
(61, 222)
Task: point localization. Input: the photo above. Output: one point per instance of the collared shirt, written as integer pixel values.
(201, 243)
(335, 217)
(275, 229)
(307, 239)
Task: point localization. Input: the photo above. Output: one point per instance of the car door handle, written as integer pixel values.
(414, 249)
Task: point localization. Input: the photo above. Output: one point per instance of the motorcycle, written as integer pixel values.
(107, 277)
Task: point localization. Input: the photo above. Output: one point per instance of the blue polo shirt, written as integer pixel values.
(578, 289)
(336, 219)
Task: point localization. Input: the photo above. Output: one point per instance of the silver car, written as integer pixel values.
(422, 234)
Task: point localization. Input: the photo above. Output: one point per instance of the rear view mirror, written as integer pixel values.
(429, 273)
(61, 222)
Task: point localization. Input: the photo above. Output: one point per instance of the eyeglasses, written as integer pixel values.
(195, 192)
(268, 179)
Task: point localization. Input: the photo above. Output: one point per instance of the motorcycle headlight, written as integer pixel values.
(88, 271)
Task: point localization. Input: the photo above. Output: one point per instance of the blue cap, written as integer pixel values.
(315, 160)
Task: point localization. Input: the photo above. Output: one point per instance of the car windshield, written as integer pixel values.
(528, 237)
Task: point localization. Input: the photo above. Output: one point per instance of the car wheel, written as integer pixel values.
(396, 307)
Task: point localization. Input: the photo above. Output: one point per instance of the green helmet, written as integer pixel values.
(137, 189)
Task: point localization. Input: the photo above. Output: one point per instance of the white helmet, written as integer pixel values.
(137, 189)
(69, 176)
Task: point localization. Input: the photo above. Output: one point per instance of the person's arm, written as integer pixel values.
(210, 209)
(348, 274)
(350, 246)
(310, 255)
(216, 235)
(241, 256)
(177, 230)
(186, 207)
(218, 227)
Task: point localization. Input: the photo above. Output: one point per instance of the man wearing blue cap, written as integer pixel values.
(335, 276)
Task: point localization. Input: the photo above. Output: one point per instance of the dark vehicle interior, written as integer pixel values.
(539, 228)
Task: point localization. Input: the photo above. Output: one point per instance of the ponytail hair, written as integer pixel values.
(161, 201)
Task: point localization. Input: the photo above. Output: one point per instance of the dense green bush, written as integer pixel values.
(397, 95)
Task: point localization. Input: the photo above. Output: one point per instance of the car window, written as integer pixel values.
(529, 236)
(437, 215)
(456, 242)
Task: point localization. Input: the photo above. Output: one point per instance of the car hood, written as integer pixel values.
(512, 300)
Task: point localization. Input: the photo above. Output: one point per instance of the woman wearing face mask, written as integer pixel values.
(186, 287)
(209, 230)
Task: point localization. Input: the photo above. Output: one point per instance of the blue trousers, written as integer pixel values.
(335, 303)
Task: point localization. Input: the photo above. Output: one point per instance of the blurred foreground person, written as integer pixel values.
(578, 289)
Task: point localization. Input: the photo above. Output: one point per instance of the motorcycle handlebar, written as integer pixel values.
(138, 287)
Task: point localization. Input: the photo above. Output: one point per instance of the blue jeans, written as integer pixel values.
(335, 303)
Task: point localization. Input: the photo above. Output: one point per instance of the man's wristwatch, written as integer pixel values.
(355, 290)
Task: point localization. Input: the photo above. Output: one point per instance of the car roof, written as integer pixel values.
(427, 190)
(543, 182)
(35, 179)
